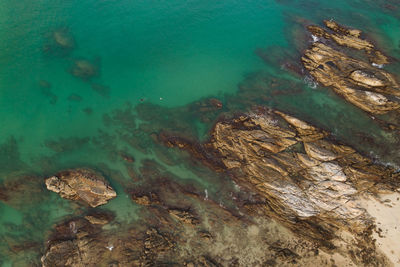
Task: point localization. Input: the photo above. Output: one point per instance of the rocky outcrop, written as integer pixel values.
(360, 82)
(308, 182)
(177, 227)
(84, 185)
(99, 217)
(77, 242)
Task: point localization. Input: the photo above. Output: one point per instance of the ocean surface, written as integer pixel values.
(152, 61)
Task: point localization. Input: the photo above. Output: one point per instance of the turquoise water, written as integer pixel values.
(154, 59)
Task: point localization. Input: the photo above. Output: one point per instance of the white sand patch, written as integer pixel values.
(387, 215)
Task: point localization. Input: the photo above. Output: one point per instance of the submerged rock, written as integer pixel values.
(81, 184)
(99, 217)
(101, 89)
(18, 189)
(84, 69)
(361, 83)
(44, 84)
(59, 42)
(205, 234)
(63, 38)
(74, 98)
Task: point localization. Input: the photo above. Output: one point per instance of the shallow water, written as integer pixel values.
(154, 58)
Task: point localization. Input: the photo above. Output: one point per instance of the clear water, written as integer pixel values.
(162, 56)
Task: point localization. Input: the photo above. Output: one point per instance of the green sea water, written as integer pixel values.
(154, 59)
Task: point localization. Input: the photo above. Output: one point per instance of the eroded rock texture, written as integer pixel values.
(81, 184)
(178, 227)
(360, 80)
(305, 180)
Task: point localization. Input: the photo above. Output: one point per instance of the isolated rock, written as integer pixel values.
(63, 38)
(84, 69)
(81, 184)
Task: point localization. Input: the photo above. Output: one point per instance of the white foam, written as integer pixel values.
(380, 66)
(314, 38)
(72, 227)
(310, 82)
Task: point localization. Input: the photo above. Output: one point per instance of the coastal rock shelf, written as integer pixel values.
(307, 181)
(200, 133)
(361, 80)
(81, 184)
(178, 227)
(298, 196)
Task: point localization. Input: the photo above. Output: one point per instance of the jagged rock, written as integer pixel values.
(344, 36)
(71, 246)
(142, 200)
(99, 217)
(145, 200)
(157, 243)
(80, 243)
(81, 184)
(96, 220)
(214, 238)
(184, 216)
(359, 82)
(310, 183)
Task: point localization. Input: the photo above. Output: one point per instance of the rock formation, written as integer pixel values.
(288, 175)
(362, 83)
(84, 69)
(81, 184)
(63, 38)
(59, 42)
(306, 181)
(188, 231)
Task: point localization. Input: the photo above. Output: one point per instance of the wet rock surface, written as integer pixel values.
(289, 176)
(306, 180)
(360, 80)
(186, 230)
(84, 185)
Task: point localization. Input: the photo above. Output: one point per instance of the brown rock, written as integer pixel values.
(350, 38)
(309, 183)
(363, 85)
(184, 216)
(142, 200)
(358, 81)
(99, 218)
(81, 184)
